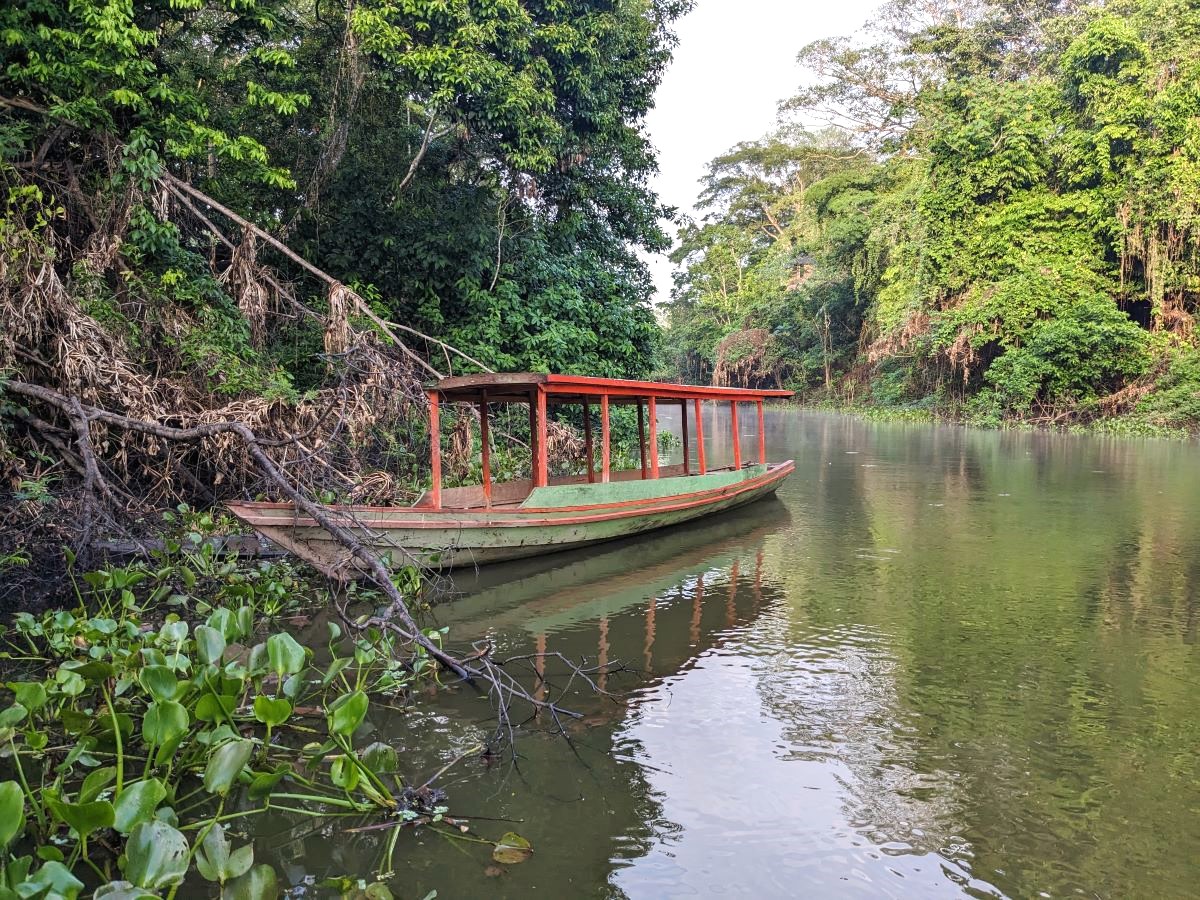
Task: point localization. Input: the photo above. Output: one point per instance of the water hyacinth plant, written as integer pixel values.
(133, 742)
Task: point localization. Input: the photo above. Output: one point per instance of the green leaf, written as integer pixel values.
(13, 716)
(12, 812)
(347, 712)
(380, 758)
(122, 890)
(270, 711)
(285, 655)
(95, 782)
(165, 723)
(257, 884)
(83, 817)
(215, 707)
(512, 849)
(137, 804)
(344, 773)
(94, 671)
(156, 856)
(264, 783)
(210, 644)
(226, 764)
(30, 694)
(159, 682)
(55, 880)
(216, 861)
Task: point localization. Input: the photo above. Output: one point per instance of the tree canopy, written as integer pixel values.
(999, 215)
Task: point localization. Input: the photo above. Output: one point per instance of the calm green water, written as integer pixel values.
(944, 662)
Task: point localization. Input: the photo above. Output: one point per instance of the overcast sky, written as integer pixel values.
(735, 61)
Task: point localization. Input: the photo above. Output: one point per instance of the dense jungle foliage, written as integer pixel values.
(988, 209)
(471, 175)
(477, 168)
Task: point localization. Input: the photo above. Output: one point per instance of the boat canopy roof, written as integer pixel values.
(518, 387)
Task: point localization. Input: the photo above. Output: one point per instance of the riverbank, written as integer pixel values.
(1132, 424)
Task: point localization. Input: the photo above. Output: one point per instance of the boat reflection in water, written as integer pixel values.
(652, 606)
(653, 602)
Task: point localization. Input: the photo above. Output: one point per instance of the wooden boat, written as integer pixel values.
(485, 523)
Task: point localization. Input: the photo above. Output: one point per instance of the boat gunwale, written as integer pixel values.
(622, 509)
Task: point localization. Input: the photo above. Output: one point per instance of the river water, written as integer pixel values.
(943, 662)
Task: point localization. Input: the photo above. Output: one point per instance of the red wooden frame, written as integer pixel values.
(687, 453)
(435, 450)
(762, 435)
(604, 438)
(652, 413)
(642, 437)
(543, 476)
(540, 390)
(737, 435)
(587, 442)
(485, 442)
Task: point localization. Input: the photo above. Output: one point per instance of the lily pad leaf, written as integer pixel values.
(122, 890)
(257, 884)
(380, 758)
(159, 682)
(285, 655)
(55, 880)
(512, 849)
(210, 644)
(30, 694)
(83, 817)
(347, 712)
(270, 711)
(12, 812)
(156, 856)
(226, 764)
(217, 862)
(97, 780)
(164, 722)
(137, 804)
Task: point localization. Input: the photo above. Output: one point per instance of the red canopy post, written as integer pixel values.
(700, 461)
(541, 477)
(653, 414)
(485, 440)
(762, 436)
(435, 450)
(642, 437)
(587, 441)
(604, 439)
(533, 437)
(737, 435)
(687, 463)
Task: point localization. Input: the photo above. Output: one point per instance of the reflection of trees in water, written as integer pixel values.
(1036, 690)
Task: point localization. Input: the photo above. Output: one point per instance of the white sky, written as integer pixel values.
(735, 61)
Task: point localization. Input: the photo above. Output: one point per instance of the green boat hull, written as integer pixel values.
(553, 518)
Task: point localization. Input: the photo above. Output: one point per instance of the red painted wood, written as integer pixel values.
(435, 450)
(653, 413)
(605, 458)
(485, 443)
(642, 437)
(700, 437)
(737, 435)
(542, 478)
(533, 437)
(587, 442)
(526, 382)
(762, 435)
(687, 462)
